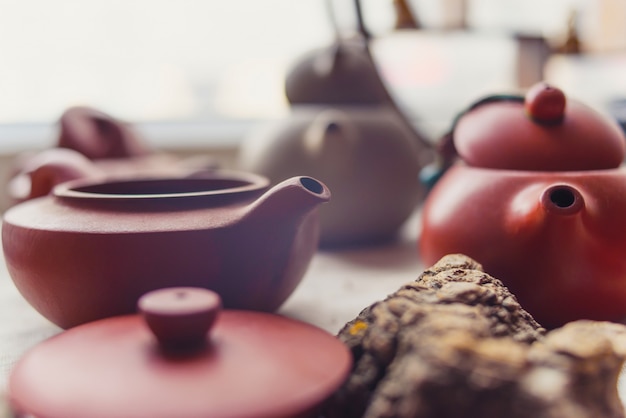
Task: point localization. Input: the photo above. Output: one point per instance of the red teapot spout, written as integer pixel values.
(549, 215)
(276, 236)
(562, 200)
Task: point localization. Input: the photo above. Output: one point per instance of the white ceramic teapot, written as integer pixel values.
(345, 129)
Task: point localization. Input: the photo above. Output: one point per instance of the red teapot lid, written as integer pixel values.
(166, 363)
(543, 131)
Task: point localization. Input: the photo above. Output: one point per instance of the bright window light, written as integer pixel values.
(152, 59)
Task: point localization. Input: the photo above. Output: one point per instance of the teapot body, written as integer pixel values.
(556, 238)
(364, 153)
(89, 250)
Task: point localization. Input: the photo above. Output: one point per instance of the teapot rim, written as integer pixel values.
(125, 188)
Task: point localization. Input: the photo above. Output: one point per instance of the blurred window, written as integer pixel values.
(204, 70)
(160, 61)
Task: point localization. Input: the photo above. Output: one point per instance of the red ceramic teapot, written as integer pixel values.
(183, 357)
(538, 196)
(92, 247)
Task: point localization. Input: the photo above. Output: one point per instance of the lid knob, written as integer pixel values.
(544, 103)
(180, 317)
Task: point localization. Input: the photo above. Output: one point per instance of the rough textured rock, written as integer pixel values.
(456, 343)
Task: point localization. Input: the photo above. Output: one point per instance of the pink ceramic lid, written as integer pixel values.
(542, 131)
(250, 364)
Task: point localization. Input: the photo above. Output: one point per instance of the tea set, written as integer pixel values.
(102, 227)
(92, 239)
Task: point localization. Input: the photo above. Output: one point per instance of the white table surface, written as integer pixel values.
(336, 287)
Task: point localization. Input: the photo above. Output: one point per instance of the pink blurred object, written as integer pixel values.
(95, 145)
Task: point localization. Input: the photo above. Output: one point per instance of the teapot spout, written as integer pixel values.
(562, 199)
(294, 197)
(541, 211)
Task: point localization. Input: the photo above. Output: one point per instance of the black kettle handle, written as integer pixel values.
(446, 151)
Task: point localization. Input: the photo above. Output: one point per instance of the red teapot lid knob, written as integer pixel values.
(545, 103)
(180, 317)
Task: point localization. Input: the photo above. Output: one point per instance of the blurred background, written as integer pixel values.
(201, 73)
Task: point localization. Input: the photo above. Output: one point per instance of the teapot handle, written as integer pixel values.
(362, 37)
(360, 29)
(406, 17)
(446, 153)
(39, 174)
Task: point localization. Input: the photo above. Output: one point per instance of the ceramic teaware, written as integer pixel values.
(182, 356)
(538, 196)
(345, 130)
(97, 135)
(91, 143)
(93, 246)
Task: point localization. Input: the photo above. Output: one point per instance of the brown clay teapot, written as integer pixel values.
(182, 357)
(91, 143)
(92, 247)
(345, 130)
(98, 135)
(538, 196)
